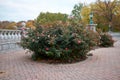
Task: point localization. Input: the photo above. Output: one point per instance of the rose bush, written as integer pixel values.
(106, 40)
(62, 43)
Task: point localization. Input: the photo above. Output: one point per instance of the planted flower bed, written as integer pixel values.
(60, 43)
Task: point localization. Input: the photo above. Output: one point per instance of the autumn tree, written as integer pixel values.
(85, 12)
(3, 24)
(7, 25)
(116, 23)
(30, 24)
(105, 12)
(11, 25)
(47, 19)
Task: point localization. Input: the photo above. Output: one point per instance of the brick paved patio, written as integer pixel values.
(103, 65)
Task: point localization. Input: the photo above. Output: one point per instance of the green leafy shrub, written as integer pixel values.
(65, 44)
(106, 40)
(92, 38)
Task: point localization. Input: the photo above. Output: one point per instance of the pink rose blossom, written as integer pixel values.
(79, 41)
(46, 49)
(66, 48)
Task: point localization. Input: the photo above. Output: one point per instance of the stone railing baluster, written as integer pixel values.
(1, 37)
(9, 38)
(19, 36)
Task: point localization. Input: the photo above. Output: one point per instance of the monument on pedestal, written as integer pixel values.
(91, 24)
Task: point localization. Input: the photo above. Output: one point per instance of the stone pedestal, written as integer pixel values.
(92, 27)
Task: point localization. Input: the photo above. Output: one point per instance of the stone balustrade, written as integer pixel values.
(9, 38)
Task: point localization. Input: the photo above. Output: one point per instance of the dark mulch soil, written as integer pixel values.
(51, 61)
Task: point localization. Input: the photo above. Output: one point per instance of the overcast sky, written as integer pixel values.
(18, 10)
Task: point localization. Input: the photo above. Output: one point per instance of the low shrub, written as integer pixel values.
(65, 44)
(106, 40)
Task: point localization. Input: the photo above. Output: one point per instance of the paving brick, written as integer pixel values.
(103, 65)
